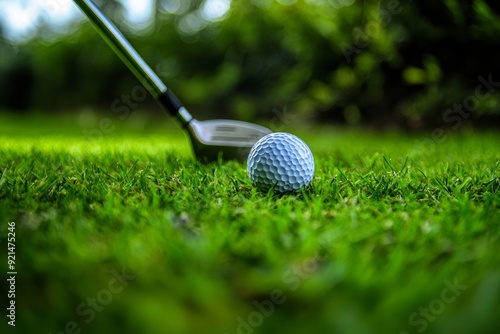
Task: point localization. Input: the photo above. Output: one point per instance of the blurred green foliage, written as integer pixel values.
(390, 62)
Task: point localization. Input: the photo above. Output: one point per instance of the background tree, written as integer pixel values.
(344, 61)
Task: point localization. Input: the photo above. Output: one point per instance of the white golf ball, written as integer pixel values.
(280, 160)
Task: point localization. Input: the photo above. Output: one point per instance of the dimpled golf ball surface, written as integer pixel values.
(281, 160)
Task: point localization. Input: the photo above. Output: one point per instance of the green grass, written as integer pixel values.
(385, 228)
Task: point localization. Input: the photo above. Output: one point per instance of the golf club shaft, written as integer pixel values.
(115, 39)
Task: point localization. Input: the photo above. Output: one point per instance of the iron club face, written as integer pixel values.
(226, 139)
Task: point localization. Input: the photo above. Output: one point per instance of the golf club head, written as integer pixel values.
(224, 139)
(211, 140)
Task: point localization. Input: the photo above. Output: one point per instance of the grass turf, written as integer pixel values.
(392, 237)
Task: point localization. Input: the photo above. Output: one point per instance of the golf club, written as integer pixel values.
(211, 139)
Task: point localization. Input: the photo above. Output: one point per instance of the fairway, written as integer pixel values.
(130, 234)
